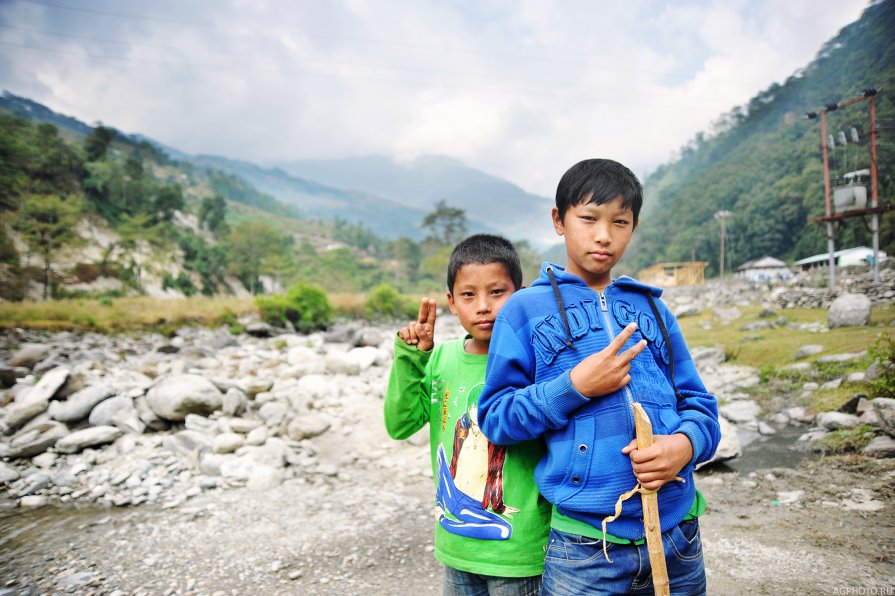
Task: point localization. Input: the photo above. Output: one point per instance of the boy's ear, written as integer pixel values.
(557, 222)
(450, 299)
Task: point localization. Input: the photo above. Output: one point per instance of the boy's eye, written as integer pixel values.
(498, 292)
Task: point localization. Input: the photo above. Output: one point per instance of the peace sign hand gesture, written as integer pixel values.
(421, 332)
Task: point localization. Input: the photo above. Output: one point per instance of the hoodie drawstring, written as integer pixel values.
(562, 308)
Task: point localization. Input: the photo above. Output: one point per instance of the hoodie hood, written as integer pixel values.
(563, 277)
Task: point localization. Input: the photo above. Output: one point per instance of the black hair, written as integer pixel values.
(599, 181)
(484, 249)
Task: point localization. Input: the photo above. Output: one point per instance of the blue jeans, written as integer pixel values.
(463, 583)
(576, 565)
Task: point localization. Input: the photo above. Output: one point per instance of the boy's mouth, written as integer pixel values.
(485, 325)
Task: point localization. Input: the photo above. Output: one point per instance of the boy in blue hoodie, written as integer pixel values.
(557, 370)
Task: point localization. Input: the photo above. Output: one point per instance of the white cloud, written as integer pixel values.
(521, 89)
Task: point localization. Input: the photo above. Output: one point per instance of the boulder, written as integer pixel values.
(849, 310)
(78, 405)
(308, 427)
(837, 420)
(880, 447)
(88, 437)
(29, 355)
(885, 412)
(175, 396)
(36, 438)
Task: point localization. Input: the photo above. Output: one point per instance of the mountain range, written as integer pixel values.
(390, 199)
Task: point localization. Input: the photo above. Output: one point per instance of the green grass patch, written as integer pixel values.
(848, 440)
(777, 346)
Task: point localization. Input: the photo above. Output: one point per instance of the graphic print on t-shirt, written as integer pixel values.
(470, 486)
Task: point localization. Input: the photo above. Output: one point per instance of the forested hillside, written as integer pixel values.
(89, 211)
(762, 162)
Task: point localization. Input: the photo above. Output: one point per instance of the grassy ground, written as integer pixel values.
(773, 350)
(776, 347)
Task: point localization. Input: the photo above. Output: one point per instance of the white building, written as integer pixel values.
(860, 255)
(763, 269)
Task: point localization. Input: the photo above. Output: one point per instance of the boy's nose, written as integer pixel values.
(601, 234)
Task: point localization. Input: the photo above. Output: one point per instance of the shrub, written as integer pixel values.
(883, 351)
(385, 301)
(304, 305)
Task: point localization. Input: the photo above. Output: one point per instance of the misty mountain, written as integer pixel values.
(313, 200)
(488, 201)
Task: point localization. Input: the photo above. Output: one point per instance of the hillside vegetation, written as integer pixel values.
(762, 162)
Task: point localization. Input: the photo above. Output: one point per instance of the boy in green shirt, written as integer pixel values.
(492, 523)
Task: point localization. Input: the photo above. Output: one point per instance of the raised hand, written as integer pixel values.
(607, 370)
(421, 332)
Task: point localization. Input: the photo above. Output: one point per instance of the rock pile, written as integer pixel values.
(125, 420)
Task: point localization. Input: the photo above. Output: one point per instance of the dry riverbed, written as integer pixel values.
(824, 527)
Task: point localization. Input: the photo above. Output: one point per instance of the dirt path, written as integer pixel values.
(368, 530)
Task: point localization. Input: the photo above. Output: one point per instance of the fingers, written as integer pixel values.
(433, 311)
(423, 315)
(631, 353)
(622, 338)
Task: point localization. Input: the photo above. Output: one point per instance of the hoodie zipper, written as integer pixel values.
(627, 389)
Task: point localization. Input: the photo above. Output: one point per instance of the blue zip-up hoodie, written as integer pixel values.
(528, 394)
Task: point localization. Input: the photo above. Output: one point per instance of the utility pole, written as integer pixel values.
(721, 216)
(875, 209)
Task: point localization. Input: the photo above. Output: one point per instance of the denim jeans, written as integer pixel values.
(463, 583)
(577, 565)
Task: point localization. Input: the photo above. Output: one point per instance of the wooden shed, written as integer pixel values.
(669, 275)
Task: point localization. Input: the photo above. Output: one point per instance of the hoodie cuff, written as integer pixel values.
(561, 398)
(692, 431)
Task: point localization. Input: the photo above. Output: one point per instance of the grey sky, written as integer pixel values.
(518, 88)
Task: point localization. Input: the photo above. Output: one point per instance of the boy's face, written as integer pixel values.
(596, 237)
(479, 291)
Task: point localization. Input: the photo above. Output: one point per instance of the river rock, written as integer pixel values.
(8, 474)
(837, 420)
(117, 411)
(227, 442)
(341, 363)
(7, 376)
(49, 384)
(307, 427)
(849, 310)
(885, 411)
(741, 412)
(88, 437)
(36, 438)
(178, 395)
(808, 350)
(880, 447)
(18, 414)
(29, 355)
(729, 447)
(78, 405)
(188, 443)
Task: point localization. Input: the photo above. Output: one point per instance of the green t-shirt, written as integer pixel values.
(492, 521)
(565, 523)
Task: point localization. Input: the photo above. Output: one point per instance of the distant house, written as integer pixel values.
(860, 255)
(669, 275)
(763, 269)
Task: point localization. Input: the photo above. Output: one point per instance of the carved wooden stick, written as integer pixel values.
(644, 430)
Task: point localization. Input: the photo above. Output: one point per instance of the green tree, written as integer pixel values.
(446, 225)
(97, 142)
(167, 199)
(47, 224)
(254, 248)
(213, 214)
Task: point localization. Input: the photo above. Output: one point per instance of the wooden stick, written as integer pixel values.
(650, 500)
